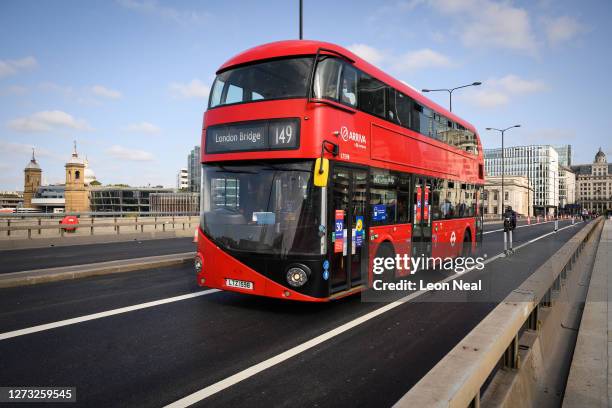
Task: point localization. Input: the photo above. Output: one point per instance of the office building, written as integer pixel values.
(539, 163)
(182, 179)
(122, 199)
(517, 195)
(594, 184)
(175, 202)
(565, 154)
(194, 170)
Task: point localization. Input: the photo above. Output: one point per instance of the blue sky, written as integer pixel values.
(129, 79)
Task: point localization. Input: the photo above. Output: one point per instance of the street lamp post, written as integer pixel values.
(450, 92)
(301, 12)
(528, 183)
(555, 188)
(502, 131)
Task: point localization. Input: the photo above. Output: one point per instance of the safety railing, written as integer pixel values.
(116, 224)
(457, 379)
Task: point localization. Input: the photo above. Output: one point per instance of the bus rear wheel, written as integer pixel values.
(467, 244)
(385, 250)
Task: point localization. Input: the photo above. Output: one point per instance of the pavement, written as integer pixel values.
(590, 379)
(152, 337)
(58, 256)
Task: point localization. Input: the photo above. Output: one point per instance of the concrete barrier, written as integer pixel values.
(101, 268)
(458, 379)
(589, 382)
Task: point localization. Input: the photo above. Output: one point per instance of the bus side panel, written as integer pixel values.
(447, 236)
(400, 236)
(217, 265)
(420, 153)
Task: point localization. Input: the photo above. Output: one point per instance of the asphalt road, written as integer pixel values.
(29, 259)
(38, 258)
(156, 355)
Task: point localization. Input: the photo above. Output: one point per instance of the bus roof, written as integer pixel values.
(308, 47)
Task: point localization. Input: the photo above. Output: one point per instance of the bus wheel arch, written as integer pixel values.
(467, 242)
(387, 250)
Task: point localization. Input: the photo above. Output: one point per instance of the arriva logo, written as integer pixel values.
(359, 139)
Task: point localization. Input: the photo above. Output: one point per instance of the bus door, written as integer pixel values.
(348, 248)
(421, 220)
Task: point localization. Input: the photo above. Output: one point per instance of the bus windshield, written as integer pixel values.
(278, 79)
(263, 208)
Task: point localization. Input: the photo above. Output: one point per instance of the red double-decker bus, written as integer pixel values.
(314, 162)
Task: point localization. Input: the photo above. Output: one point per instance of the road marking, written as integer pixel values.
(264, 365)
(75, 320)
(522, 226)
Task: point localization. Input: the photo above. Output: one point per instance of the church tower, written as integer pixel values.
(76, 195)
(33, 174)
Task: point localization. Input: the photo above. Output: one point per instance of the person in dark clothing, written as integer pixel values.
(510, 215)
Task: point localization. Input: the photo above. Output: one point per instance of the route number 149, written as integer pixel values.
(283, 134)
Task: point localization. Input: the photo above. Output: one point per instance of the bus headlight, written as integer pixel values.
(197, 264)
(298, 275)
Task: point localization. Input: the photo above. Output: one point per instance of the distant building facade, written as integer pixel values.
(75, 194)
(594, 184)
(565, 154)
(567, 186)
(182, 179)
(11, 199)
(539, 163)
(32, 180)
(123, 199)
(517, 192)
(50, 198)
(175, 202)
(194, 170)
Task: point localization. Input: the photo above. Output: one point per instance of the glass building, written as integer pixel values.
(194, 169)
(539, 163)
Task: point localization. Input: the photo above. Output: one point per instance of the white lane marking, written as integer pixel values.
(522, 226)
(264, 365)
(75, 320)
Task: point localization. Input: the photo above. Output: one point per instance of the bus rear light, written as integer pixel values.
(298, 276)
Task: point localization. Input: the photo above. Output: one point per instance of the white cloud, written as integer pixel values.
(368, 53)
(25, 150)
(67, 91)
(562, 29)
(142, 127)
(500, 91)
(124, 153)
(47, 121)
(193, 89)
(485, 24)
(407, 62)
(14, 90)
(100, 90)
(421, 59)
(152, 7)
(12, 67)
(516, 85)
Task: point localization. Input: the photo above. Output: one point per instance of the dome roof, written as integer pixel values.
(74, 159)
(33, 164)
(600, 157)
(89, 175)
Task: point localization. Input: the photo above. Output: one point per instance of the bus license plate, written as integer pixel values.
(234, 283)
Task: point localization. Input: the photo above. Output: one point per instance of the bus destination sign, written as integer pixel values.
(275, 134)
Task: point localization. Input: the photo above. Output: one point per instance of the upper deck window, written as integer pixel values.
(335, 80)
(279, 79)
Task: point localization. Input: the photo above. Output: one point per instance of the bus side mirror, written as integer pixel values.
(321, 172)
